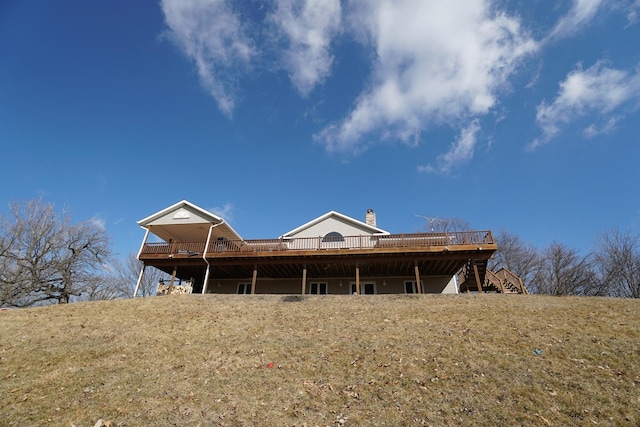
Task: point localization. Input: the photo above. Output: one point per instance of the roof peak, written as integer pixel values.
(337, 214)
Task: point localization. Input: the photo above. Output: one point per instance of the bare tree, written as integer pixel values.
(563, 271)
(438, 225)
(123, 278)
(101, 288)
(85, 248)
(121, 281)
(48, 259)
(617, 260)
(129, 271)
(513, 253)
(8, 267)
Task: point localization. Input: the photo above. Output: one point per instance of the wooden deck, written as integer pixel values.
(317, 246)
(377, 256)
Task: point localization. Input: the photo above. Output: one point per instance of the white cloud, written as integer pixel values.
(225, 211)
(580, 14)
(436, 63)
(606, 128)
(211, 35)
(461, 151)
(308, 27)
(99, 223)
(599, 90)
(634, 12)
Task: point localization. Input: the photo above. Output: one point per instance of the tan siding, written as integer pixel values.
(394, 285)
(440, 284)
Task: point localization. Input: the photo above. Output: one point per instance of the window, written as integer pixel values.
(318, 288)
(244, 288)
(333, 240)
(410, 287)
(333, 236)
(366, 288)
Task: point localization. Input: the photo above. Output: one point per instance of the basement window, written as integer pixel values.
(244, 288)
(366, 288)
(318, 288)
(410, 287)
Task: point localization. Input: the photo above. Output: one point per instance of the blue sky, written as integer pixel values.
(516, 115)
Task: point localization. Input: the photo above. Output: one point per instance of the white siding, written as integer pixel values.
(183, 215)
(332, 224)
(451, 287)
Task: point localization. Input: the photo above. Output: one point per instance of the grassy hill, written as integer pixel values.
(333, 360)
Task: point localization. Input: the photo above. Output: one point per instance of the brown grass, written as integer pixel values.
(337, 360)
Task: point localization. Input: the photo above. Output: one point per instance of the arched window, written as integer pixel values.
(333, 236)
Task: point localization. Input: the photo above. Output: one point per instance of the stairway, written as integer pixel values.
(503, 281)
(467, 278)
(511, 281)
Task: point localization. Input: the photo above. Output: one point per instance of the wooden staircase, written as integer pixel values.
(503, 281)
(511, 281)
(467, 277)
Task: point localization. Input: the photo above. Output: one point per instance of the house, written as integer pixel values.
(332, 254)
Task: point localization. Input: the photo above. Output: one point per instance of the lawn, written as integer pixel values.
(261, 360)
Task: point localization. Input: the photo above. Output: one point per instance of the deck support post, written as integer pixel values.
(173, 279)
(253, 279)
(144, 241)
(357, 280)
(140, 277)
(304, 279)
(477, 275)
(417, 272)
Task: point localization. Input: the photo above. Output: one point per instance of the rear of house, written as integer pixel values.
(331, 254)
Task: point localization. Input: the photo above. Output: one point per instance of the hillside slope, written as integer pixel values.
(333, 360)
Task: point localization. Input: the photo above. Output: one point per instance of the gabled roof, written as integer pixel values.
(337, 215)
(175, 207)
(187, 222)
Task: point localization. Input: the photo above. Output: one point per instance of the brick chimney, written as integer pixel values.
(370, 218)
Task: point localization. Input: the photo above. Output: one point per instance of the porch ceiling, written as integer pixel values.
(339, 269)
(191, 232)
(374, 265)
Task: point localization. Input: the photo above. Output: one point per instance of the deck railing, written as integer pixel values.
(445, 239)
(173, 248)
